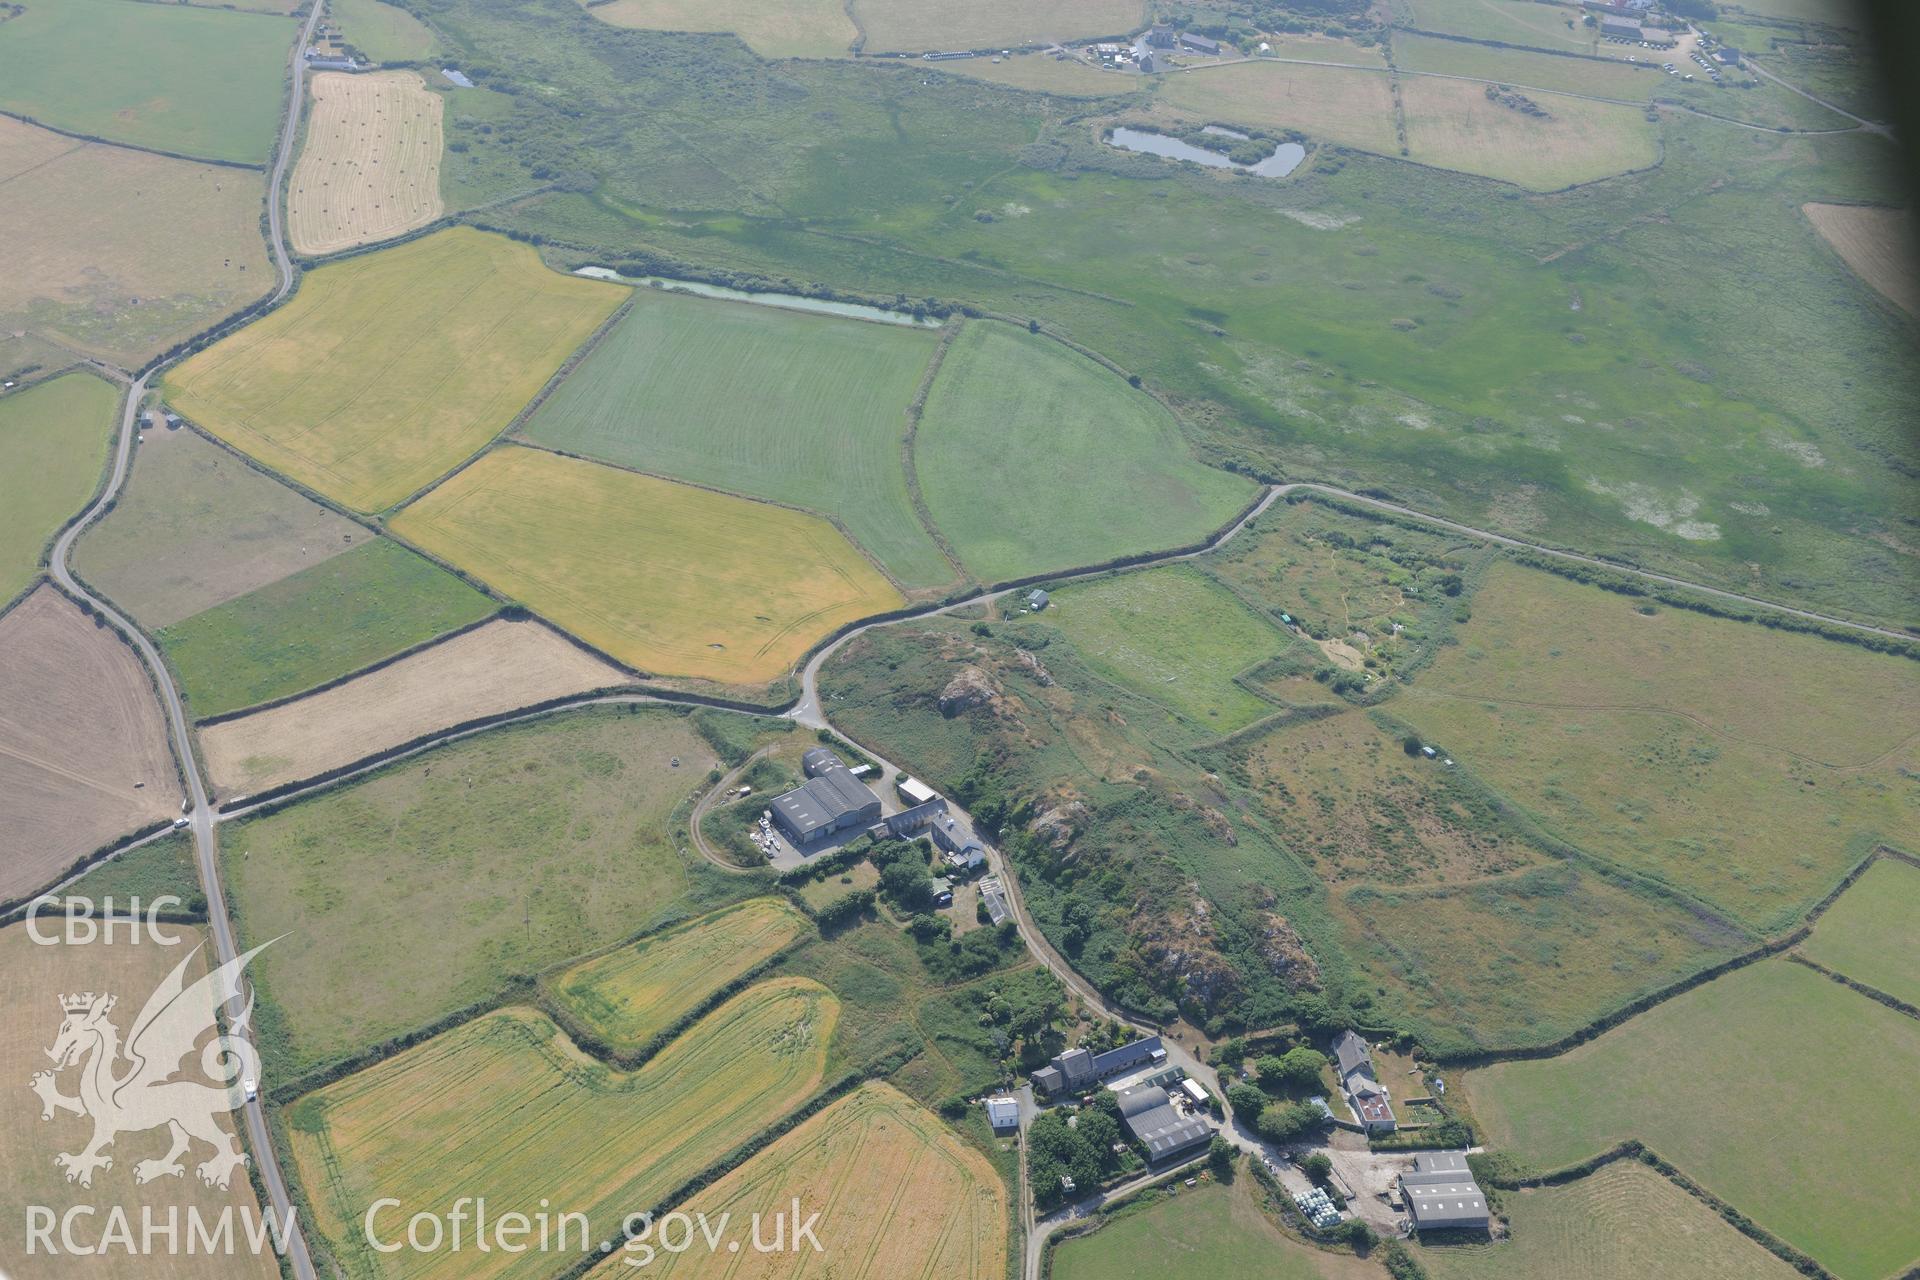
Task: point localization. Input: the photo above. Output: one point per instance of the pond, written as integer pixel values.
(791, 301)
(1285, 158)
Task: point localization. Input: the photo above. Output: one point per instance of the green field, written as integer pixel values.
(1868, 933)
(666, 577)
(384, 32)
(187, 79)
(1345, 796)
(633, 993)
(1172, 634)
(1512, 21)
(1733, 1084)
(1523, 959)
(804, 409)
(1211, 1230)
(504, 1107)
(521, 847)
(166, 866)
(389, 369)
(1033, 458)
(195, 527)
(323, 622)
(54, 437)
(771, 28)
(1622, 1222)
(1748, 766)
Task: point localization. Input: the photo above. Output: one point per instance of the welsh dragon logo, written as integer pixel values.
(130, 1087)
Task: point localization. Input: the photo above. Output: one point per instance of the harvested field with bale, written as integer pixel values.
(370, 167)
(506, 1108)
(898, 1193)
(195, 527)
(1352, 108)
(32, 980)
(667, 578)
(1876, 243)
(54, 437)
(635, 992)
(487, 671)
(387, 370)
(83, 747)
(120, 254)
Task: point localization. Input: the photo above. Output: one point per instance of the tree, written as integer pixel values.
(1247, 1102)
(1220, 1158)
(1285, 1121)
(1273, 1072)
(906, 883)
(1232, 1053)
(1300, 1067)
(1410, 744)
(1317, 1166)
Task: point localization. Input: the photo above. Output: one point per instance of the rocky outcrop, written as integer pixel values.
(1059, 824)
(1285, 955)
(970, 687)
(1182, 950)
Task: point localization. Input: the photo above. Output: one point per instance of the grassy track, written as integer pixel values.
(322, 622)
(388, 370)
(1725, 1082)
(895, 1188)
(1172, 634)
(505, 1108)
(1868, 933)
(778, 404)
(31, 979)
(666, 577)
(54, 438)
(1747, 766)
(1213, 1230)
(523, 847)
(1033, 458)
(771, 28)
(1621, 1223)
(195, 527)
(632, 994)
(193, 80)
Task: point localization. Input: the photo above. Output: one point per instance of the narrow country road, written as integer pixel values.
(201, 812)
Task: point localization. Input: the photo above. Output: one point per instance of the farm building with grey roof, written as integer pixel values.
(829, 801)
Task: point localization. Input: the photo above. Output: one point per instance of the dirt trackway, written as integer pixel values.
(201, 817)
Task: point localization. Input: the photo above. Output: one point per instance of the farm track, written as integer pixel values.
(266, 1160)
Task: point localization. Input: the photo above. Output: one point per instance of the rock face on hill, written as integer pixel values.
(1286, 955)
(1181, 947)
(970, 687)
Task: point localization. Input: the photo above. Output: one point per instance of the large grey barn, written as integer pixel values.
(1150, 1116)
(1441, 1194)
(829, 801)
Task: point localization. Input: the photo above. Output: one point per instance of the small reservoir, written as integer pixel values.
(1285, 158)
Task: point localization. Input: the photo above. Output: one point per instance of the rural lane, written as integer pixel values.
(201, 813)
